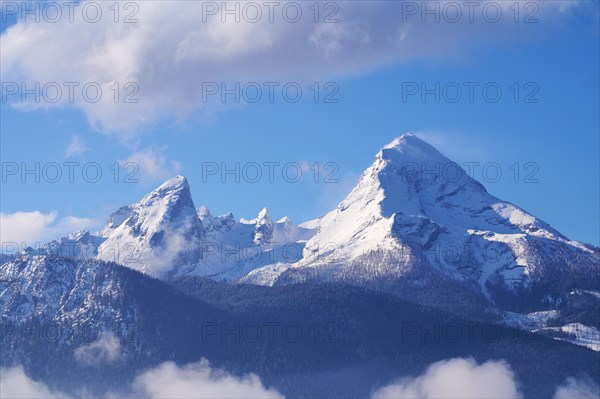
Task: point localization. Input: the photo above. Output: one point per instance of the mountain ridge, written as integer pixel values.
(416, 225)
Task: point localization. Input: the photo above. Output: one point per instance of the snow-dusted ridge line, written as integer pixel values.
(396, 227)
(390, 203)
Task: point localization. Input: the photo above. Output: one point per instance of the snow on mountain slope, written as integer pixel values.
(233, 249)
(115, 220)
(416, 224)
(81, 245)
(215, 225)
(576, 333)
(46, 286)
(410, 183)
(164, 235)
(412, 202)
(418, 204)
(263, 233)
(161, 232)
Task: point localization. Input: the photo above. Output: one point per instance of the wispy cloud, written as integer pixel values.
(150, 165)
(578, 389)
(76, 147)
(104, 350)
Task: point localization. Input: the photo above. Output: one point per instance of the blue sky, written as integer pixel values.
(555, 138)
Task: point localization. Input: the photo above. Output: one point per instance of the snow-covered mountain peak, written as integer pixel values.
(205, 217)
(264, 228)
(171, 202)
(215, 224)
(410, 176)
(416, 162)
(413, 193)
(169, 194)
(161, 231)
(203, 211)
(409, 151)
(409, 141)
(175, 183)
(78, 235)
(285, 220)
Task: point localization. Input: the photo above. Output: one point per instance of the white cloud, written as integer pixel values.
(175, 244)
(170, 61)
(25, 226)
(456, 378)
(69, 224)
(37, 227)
(151, 165)
(106, 349)
(14, 383)
(199, 380)
(578, 389)
(195, 380)
(76, 147)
